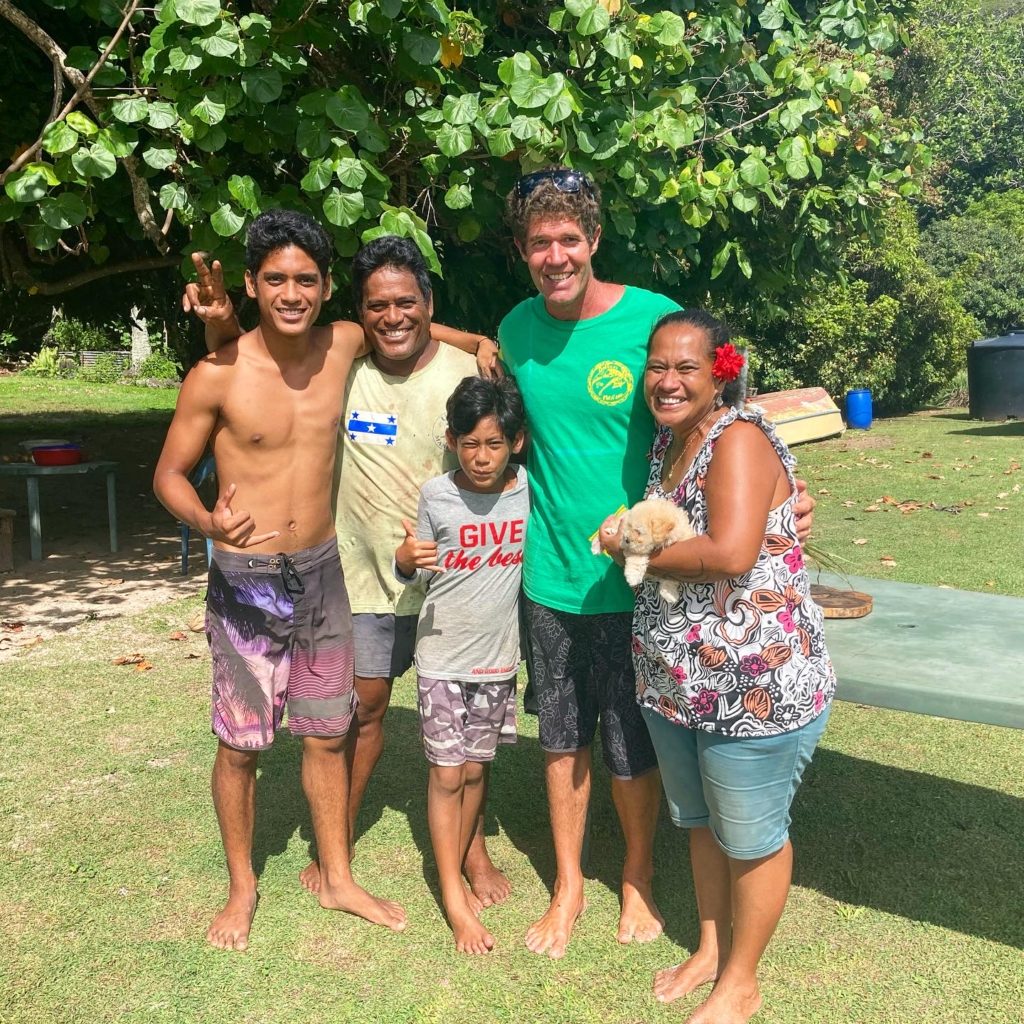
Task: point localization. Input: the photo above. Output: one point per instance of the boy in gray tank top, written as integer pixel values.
(467, 547)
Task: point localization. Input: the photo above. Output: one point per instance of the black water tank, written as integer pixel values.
(995, 377)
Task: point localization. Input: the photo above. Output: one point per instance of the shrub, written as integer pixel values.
(890, 324)
(74, 335)
(981, 254)
(158, 366)
(45, 363)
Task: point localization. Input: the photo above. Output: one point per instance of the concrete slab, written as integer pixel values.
(949, 653)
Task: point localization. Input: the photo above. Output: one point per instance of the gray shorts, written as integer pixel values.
(464, 722)
(384, 644)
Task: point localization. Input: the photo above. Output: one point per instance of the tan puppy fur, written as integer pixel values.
(649, 526)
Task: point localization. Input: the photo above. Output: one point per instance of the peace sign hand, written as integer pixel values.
(207, 297)
(413, 554)
(235, 528)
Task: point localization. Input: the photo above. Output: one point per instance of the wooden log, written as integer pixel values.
(837, 603)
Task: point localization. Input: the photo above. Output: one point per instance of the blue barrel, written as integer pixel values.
(858, 409)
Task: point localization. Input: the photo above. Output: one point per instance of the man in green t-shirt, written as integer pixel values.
(577, 350)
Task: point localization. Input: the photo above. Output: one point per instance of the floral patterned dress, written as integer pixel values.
(739, 657)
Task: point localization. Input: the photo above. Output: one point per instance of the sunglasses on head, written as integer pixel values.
(563, 178)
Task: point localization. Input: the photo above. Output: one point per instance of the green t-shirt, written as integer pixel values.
(590, 435)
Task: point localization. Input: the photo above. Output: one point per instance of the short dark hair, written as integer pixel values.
(716, 333)
(388, 251)
(277, 229)
(475, 398)
(547, 202)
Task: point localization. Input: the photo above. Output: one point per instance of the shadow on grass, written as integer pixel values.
(1005, 428)
(918, 846)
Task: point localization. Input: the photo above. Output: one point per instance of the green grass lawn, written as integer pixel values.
(961, 485)
(908, 829)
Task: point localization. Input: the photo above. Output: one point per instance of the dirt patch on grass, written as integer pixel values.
(79, 582)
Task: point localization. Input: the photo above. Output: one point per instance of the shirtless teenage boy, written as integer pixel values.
(406, 377)
(279, 621)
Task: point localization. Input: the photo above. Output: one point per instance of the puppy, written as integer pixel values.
(649, 526)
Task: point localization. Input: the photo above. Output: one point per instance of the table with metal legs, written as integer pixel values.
(32, 473)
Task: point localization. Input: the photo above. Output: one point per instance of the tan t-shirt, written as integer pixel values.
(390, 444)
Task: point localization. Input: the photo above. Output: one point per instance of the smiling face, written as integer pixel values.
(678, 384)
(289, 291)
(395, 316)
(559, 256)
(483, 454)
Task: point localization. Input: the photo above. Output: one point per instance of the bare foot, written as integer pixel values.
(472, 902)
(552, 932)
(489, 885)
(728, 1004)
(353, 899)
(640, 920)
(309, 876)
(230, 928)
(470, 935)
(674, 982)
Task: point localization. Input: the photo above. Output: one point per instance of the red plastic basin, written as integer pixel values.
(68, 455)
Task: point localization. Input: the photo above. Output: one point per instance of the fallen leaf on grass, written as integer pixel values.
(990, 583)
(824, 490)
(197, 623)
(906, 507)
(17, 627)
(191, 654)
(129, 659)
(871, 508)
(111, 583)
(1003, 494)
(934, 476)
(888, 499)
(926, 455)
(1016, 488)
(849, 504)
(860, 540)
(981, 515)
(177, 635)
(888, 561)
(1001, 508)
(143, 666)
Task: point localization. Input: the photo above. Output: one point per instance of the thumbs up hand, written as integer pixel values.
(413, 554)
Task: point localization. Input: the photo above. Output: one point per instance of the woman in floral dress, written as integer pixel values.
(734, 679)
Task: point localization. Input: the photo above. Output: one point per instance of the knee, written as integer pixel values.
(447, 780)
(374, 696)
(234, 760)
(331, 745)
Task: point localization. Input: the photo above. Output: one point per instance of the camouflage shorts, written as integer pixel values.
(464, 722)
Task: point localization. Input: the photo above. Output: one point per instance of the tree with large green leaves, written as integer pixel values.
(737, 142)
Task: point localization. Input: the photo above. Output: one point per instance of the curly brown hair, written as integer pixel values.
(547, 202)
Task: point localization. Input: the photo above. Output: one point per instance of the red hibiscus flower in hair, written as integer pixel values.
(728, 362)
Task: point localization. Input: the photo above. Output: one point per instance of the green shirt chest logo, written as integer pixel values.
(610, 382)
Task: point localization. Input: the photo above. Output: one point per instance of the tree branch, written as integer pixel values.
(17, 274)
(49, 46)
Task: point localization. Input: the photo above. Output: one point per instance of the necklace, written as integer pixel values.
(696, 432)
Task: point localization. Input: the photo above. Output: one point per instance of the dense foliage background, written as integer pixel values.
(760, 156)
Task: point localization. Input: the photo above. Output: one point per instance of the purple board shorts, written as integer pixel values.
(280, 634)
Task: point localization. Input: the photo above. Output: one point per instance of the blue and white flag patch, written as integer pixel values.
(379, 428)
